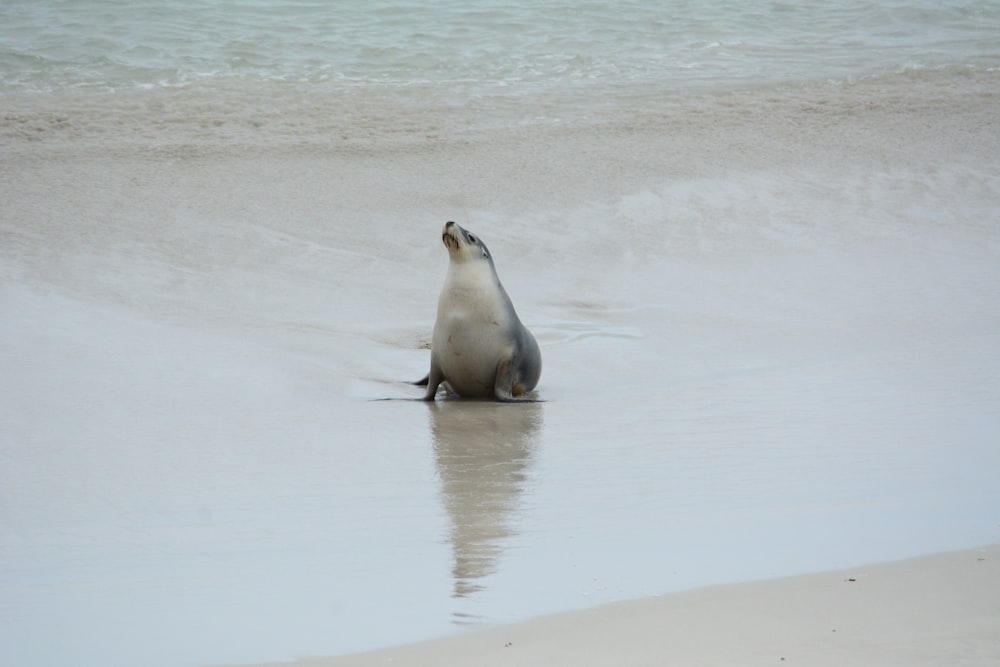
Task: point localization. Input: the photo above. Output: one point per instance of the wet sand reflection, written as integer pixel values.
(482, 451)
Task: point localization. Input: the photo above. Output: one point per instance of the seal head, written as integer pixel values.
(479, 348)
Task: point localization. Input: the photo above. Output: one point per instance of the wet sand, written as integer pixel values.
(768, 323)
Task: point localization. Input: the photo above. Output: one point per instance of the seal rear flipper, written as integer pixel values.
(423, 381)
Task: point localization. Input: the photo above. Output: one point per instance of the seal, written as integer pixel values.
(479, 348)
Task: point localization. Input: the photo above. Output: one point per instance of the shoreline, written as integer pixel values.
(228, 120)
(928, 610)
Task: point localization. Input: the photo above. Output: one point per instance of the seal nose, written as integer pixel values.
(448, 224)
(449, 237)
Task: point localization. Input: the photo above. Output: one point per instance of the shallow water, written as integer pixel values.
(767, 316)
(485, 48)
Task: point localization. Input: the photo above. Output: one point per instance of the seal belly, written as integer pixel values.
(467, 352)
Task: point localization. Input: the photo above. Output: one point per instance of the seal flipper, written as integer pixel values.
(422, 382)
(506, 387)
(433, 379)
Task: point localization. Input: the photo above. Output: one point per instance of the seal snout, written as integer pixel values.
(449, 236)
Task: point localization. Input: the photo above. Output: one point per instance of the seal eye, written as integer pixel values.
(472, 238)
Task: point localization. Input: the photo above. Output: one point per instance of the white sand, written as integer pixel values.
(935, 610)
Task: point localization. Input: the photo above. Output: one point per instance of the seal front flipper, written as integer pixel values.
(433, 379)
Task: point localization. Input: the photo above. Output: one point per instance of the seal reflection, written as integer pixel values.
(483, 451)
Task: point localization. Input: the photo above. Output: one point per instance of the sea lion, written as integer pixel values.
(479, 348)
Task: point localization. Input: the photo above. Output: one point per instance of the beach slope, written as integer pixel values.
(935, 610)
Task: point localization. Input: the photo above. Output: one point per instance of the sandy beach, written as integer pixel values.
(935, 610)
(768, 318)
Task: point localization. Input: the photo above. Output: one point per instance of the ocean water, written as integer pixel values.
(758, 243)
(198, 73)
(484, 48)
(569, 56)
